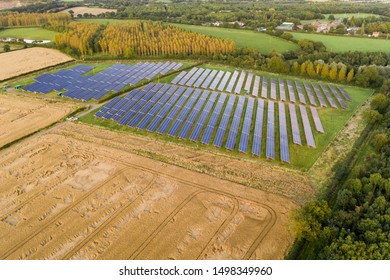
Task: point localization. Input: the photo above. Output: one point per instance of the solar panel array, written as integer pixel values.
(87, 87)
(205, 116)
(267, 88)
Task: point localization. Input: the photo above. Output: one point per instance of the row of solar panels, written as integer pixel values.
(268, 88)
(198, 115)
(89, 87)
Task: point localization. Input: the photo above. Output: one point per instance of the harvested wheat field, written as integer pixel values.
(88, 10)
(20, 116)
(28, 60)
(65, 198)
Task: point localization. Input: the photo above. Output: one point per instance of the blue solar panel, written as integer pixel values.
(257, 134)
(179, 77)
(294, 125)
(224, 122)
(175, 110)
(153, 112)
(248, 83)
(224, 81)
(270, 147)
(282, 91)
(240, 83)
(210, 77)
(329, 97)
(138, 104)
(246, 127)
(273, 89)
(203, 117)
(283, 136)
(165, 109)
(106, 107)
(306, 127)
(213, 119)
(291, 91)
(192, 80)
(184, 80)
(147, 106)
(200, 80)
(301, 96)
(338, 97)
(264, 87)
(193, 115)
(256, 85)
(310, 94)
(319, 95)
(316, 118)
(344, 93)
(184, 113)
(232, 81)
(216, 81)
(231, 140)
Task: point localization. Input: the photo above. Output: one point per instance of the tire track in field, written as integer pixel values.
(150, 238)
(102, 226)
(263, 233)
(222, 226)
(19, 245)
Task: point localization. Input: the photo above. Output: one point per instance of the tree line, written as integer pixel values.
(355, 223)
(134, 39)
(11, 19)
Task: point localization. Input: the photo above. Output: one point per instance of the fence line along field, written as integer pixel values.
(64, 198)
(27, 60)
(20, 116)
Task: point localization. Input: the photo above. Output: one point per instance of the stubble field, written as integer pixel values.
(20, 116)
(62, 197)
(27, 60)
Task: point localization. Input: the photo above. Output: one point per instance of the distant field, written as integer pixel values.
(355, 15)
(27, 60)
(105, 20)
(245, 38)
(83, 10)
(339, 16)
(345, 43)
(33, 33)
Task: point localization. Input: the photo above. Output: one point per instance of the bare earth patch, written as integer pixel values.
(83, 10)
(20, 116)
(63, 197)
(23, 61)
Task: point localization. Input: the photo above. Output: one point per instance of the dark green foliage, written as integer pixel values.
(357, 225)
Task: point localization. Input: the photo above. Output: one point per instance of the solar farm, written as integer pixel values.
(236, 118)
(79, 85)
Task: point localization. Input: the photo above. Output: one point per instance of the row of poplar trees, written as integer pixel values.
(140, 39)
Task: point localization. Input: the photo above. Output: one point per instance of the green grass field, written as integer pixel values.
(33, 33)
(302, 157)
(245, 38)
(349, 15)
(346, 43)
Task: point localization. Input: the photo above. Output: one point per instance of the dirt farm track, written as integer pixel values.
(65, 198)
